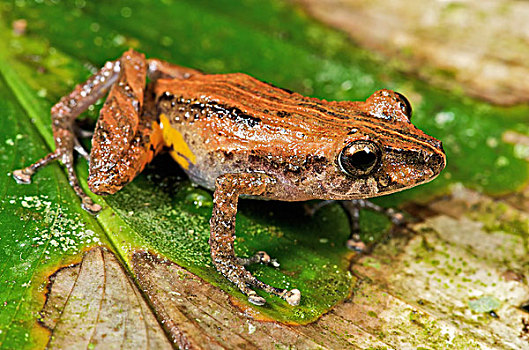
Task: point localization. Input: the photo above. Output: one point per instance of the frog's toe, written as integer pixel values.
(264, 258)
(256, 299)
(90, 206)
(274, 263)
(290, 296)
(22, 176)
(260, 257)
(293, 297)
(397, 218)
(356, 245)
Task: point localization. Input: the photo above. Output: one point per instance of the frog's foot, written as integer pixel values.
(234, 271)
(397, 218)
(23, 176)
(259, 258)
(353, 207)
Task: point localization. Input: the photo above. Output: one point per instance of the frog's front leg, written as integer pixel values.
(228, 187)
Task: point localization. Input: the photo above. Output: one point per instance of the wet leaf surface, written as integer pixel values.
(40, 229)
(434, 287)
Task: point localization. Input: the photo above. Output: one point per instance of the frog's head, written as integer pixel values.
(384, 152)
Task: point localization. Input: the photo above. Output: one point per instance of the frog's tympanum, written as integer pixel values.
(239, 136)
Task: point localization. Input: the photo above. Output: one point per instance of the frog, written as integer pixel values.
(241, 137)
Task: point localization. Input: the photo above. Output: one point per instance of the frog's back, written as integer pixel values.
(247, 105)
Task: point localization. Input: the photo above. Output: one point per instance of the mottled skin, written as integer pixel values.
(242, 137)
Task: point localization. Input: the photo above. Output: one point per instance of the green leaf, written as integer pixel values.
(161, 210)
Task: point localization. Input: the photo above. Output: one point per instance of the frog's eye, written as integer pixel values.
(359, 158)
(404, 104)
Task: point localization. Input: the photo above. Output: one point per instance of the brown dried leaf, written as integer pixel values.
(95, 304)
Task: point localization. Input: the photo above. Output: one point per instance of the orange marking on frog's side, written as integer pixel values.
(177, 146)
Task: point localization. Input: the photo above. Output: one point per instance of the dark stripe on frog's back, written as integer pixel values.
(252, 100)
(344, 115)
(191, 110)
(260, 98)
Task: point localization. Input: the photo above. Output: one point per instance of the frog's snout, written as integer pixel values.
(437, 162)
(433, 160)
(438, 158)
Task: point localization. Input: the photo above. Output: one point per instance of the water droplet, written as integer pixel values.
(502, 161)
(199, 199)
(492, 142)
(126, 12)
(521, 151)
(94, 27)
(167, 41)
(347, 85)
(118, 40)
(42, 92)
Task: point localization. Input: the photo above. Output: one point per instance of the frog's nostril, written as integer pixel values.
(437, 162)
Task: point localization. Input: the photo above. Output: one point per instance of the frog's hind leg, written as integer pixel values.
(127, 135)
(353, 207)
(227, 190)
(63, 115)
(124, 140)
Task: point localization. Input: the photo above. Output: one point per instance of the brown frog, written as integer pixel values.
(239, 136)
